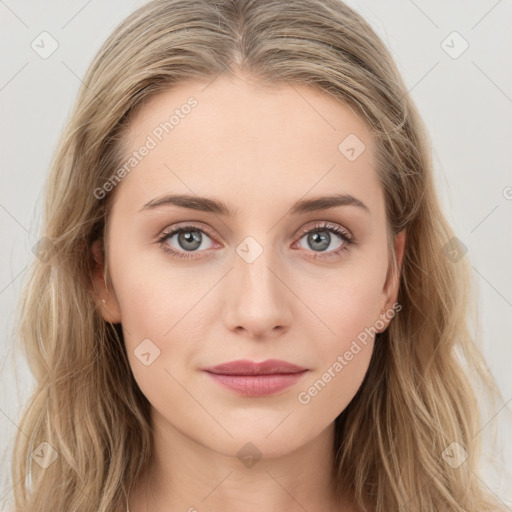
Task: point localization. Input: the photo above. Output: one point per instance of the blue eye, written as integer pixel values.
(191, 237)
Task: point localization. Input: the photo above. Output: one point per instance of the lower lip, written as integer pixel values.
(257, 385)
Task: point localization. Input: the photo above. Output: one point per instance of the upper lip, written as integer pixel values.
(247, 367)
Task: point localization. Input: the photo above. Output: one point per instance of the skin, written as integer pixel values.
(258, 150)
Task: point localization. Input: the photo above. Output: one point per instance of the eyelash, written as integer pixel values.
(319, 227)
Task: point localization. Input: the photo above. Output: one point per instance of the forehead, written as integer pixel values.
(231, 138)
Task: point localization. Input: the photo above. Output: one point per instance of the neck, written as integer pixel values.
(186, 475)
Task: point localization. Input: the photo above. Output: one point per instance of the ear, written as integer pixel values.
(392, 284)
(104, 297)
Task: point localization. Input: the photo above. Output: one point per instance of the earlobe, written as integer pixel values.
(104, 297)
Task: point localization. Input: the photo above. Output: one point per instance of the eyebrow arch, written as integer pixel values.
(208, 205)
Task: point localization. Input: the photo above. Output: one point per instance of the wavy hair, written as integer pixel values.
(417, 397)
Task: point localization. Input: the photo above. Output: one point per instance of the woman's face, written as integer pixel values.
(249, 279)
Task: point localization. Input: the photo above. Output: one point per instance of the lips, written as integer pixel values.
(250, 378)
(247, 367)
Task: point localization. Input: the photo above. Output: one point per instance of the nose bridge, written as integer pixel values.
(258, 298)
(253, 263)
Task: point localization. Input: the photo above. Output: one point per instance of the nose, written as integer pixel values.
(258, 300)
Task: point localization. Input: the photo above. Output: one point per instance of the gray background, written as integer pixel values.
(465, 101)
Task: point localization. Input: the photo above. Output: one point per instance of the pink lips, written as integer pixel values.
(256, 379)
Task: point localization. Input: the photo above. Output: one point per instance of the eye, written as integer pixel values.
(319, 238)
(189, 238)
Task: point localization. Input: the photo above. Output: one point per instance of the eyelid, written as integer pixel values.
(302, 231)
(200, 226)
(325, 225)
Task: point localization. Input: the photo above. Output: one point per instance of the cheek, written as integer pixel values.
(345, 355)
(346, 302)
(328, 392)
(159, 307)
(348, 306)
(153, 294)
(343, 350)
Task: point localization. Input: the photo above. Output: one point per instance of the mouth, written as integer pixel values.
(257, 385)
(250, 378)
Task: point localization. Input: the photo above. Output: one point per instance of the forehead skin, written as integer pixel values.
(258, 149)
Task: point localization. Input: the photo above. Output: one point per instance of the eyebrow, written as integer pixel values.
(209, 205)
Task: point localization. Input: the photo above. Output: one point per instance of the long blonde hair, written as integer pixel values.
(416, 398)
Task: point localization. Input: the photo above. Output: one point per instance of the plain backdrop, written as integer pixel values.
(456, 60)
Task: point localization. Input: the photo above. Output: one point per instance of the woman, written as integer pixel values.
(194, 349)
